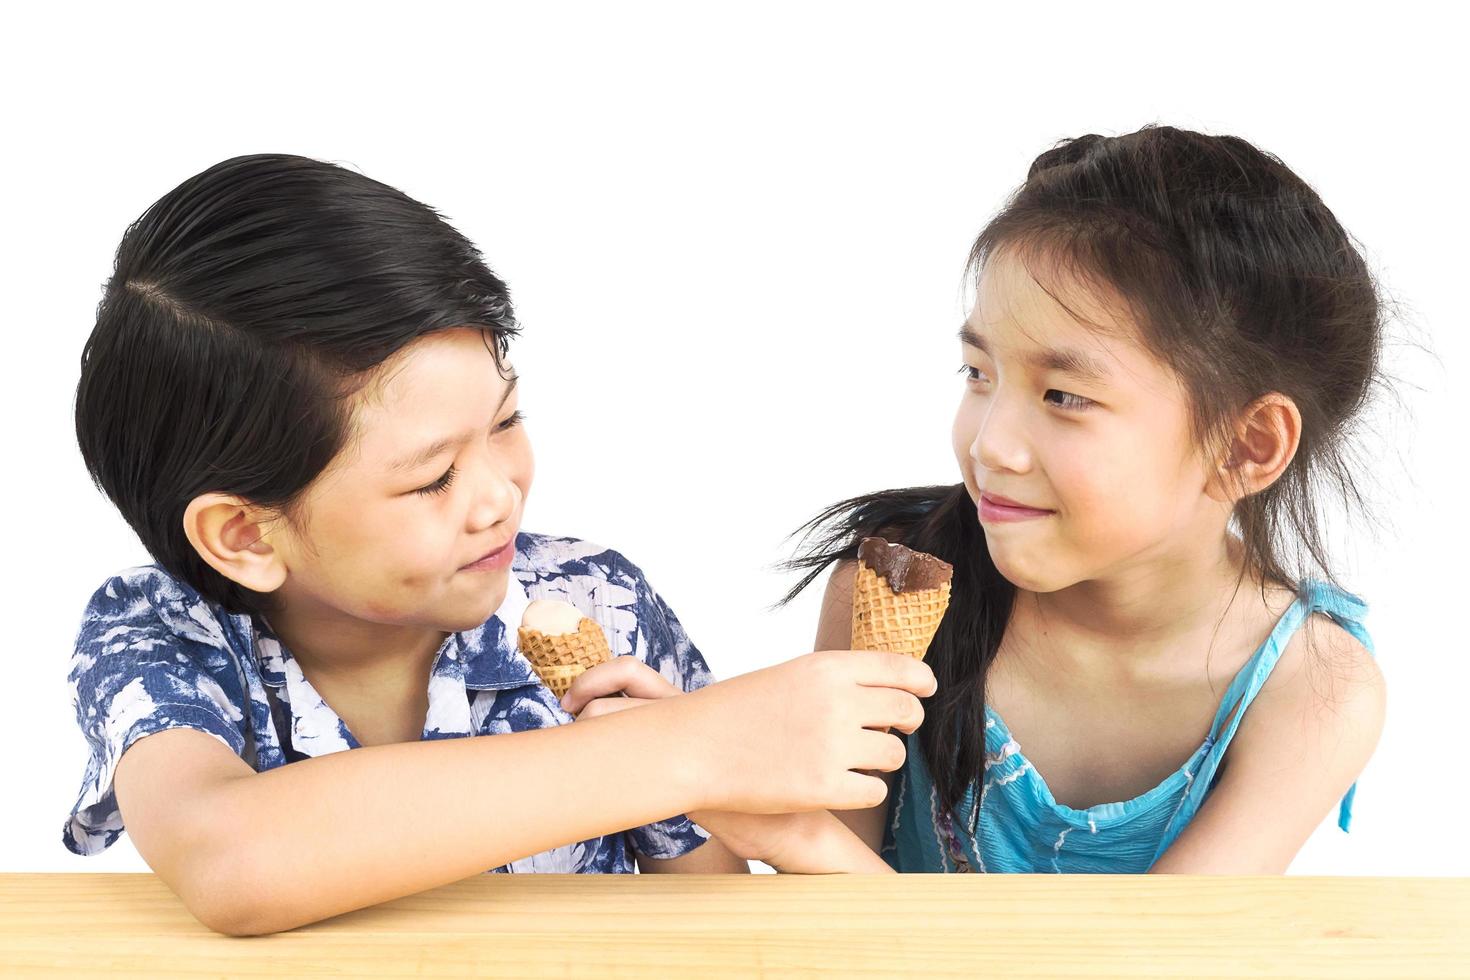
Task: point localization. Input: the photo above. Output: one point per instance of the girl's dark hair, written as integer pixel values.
(245, 307)
(1242, 281)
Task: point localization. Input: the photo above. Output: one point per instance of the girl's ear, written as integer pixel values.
(234, 537)
(1265, 441)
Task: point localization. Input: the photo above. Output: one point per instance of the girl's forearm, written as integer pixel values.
(794, 843)
(344, 831)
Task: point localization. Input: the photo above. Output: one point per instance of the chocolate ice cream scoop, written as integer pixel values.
(905, 569)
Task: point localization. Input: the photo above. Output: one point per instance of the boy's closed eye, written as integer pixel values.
(447, 479)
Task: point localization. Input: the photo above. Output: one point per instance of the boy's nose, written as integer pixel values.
(496, 498)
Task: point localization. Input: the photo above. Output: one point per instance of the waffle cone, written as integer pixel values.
(561, 659)
(895, 622)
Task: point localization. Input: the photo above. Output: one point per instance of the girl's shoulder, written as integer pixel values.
(1325, 649)
(1325, 688)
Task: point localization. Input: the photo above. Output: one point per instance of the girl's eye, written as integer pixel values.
(438, 486)
(1067, 400)
(973, 374)
(515, 419)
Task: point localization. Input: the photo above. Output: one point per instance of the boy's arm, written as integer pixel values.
(259, 852)
(252, 852)
(1305, 739)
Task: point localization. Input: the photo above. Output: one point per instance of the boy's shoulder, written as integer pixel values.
(604, 585)
(146, 609)
(542, 558)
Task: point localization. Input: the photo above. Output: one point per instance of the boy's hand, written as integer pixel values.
(803, 843)
(623, 682)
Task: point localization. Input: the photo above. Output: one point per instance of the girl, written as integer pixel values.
(1171, 340)
(298, 394)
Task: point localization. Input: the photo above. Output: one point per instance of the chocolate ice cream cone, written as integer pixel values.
(899, 596)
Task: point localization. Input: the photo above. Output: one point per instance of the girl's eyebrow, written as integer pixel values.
(432, 450)
(1061, 359)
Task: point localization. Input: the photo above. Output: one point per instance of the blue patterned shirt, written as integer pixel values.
(153, 654)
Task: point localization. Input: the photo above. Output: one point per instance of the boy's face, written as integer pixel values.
(434, 480)
(1082, 426)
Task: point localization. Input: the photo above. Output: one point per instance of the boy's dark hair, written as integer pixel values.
(245, 307)
(1242, 281)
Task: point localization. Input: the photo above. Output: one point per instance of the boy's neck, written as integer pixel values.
(332, 647)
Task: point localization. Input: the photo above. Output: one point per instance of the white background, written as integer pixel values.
(722, 229)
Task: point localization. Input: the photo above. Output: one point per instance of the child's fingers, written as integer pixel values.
(879, 751)
(859, 791)
(884, 707)
(628, 675)
(878, 669)
(607, 706)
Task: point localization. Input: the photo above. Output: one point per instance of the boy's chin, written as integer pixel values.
(472, 614)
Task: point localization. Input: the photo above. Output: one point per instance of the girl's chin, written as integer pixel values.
(1025, 573)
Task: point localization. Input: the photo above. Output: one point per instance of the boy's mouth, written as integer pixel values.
(995, 509)
(495, 559)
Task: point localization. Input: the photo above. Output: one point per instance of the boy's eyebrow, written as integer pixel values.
(435, 448)
(1064, 360)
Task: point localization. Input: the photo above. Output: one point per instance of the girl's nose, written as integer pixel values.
(1000, 442)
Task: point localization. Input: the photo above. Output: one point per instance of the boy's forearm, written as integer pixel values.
(343, 831)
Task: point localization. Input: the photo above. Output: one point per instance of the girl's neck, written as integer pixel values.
(1142, 613)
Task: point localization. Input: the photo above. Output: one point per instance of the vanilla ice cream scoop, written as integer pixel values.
(551, 617)
(560, 643)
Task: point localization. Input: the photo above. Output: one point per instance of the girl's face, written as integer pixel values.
(397, 529)
(1074, 442)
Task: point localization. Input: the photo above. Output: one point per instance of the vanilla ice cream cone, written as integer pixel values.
(560, 643)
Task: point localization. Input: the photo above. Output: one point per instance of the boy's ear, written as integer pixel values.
(234, 537)
(1265, 441)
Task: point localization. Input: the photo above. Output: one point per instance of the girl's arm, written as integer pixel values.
(792, 843)
(259, 852)
(1305, 739)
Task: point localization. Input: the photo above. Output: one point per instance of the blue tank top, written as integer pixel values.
(1023, 829)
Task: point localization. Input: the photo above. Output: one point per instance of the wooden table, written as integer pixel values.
(698, 926)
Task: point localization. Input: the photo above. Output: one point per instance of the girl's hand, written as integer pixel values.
(815, 842)
(620, 683)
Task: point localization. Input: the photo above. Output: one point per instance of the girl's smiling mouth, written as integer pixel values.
(995, 509)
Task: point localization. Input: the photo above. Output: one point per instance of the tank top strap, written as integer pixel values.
(1347, 610)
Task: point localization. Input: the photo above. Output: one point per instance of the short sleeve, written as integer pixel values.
(135, 672)
(666, 647)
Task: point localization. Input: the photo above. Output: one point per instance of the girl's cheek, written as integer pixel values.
(966, 426)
